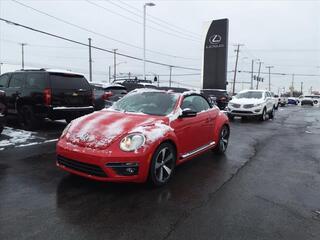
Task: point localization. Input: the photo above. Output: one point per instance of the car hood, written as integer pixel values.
(246, 101)
(100, 129)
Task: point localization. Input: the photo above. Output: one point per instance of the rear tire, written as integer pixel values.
(162, 165)
(271, 114)
(222, 145)
(28, 119)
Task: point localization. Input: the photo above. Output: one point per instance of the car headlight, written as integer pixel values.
(132, 142)
(258, 105)
(65, 131)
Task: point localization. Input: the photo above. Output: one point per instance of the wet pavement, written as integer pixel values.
(267, 186)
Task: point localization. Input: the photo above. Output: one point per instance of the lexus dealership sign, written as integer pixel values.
(214, 69)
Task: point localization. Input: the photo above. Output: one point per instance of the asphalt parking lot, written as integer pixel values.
(267, 186)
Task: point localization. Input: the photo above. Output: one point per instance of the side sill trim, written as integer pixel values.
(198, 150)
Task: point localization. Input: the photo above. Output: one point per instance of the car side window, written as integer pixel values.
(195, 103)
(17, 80)
(4, 79)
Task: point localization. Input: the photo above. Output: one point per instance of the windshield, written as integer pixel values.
(153, 103)
(251, 94)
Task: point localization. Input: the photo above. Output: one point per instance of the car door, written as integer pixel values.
(193, 132)
(14, 91)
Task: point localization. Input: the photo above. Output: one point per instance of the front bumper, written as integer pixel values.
(244, 112)
(109, 165)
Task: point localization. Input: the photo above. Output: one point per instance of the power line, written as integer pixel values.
(282, 74)
(166, 26)
(159, 19)
(94, 32)
(95, 47)
(133, 20)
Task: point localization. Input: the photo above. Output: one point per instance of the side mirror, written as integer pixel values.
(187, 112)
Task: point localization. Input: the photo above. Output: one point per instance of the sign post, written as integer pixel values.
(214, 69)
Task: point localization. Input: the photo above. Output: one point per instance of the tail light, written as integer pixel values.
(107, 95)
(47, 96)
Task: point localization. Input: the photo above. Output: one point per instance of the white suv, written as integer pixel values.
(252, 103)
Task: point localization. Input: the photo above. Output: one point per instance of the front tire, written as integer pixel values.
(223, 140)
(263, 116)
(162, 165)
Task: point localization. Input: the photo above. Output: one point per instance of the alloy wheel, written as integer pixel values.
(164, 164)
(224, 139)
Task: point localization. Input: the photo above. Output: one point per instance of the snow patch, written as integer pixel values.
(153, 132)
(175, 115)
(16, 136)
(104, 137)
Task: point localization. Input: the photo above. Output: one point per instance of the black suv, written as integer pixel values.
(219, 96)
(2, 110)
(37, 94)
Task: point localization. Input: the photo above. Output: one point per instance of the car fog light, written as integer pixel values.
(124, 169)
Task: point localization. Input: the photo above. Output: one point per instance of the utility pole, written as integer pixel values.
(114, 64)
(292, 89)
(269, 67)
(150, 4)
(0, 67)
(90, 61)
(258, 74)
(235, 68)
(170, 76)
(109, 74)
(251, 85)
(129, 74)
(22, 54)
(301, 88)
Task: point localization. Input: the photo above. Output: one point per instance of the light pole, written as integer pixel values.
(115, 73)
(22, 54)
(114, 63)
(144, 36)
(252, 63)
(259, 74)
(269, 67)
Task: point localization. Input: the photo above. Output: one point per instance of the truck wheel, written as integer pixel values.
(28, 119)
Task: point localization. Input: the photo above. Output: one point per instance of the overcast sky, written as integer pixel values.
(284, 34)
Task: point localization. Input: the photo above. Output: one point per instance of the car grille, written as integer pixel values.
(235, 105)
(81, 167)
(248, 106)
(249, 112)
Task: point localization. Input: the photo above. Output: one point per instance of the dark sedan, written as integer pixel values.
(106, 94)
(219, 96)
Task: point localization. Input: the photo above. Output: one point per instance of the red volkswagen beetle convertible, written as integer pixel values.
(142, 137)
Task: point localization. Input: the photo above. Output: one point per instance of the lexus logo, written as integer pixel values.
(215, 39)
